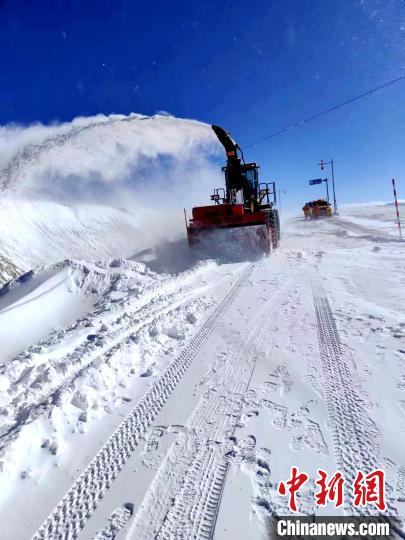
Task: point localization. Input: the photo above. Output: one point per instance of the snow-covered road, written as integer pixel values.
(155, 405)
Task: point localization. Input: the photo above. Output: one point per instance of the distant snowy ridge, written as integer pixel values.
(372, 203)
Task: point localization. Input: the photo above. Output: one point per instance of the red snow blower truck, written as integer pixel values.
(243, 217)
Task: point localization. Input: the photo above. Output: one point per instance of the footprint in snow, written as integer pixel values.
(176, 333)
(147, 373)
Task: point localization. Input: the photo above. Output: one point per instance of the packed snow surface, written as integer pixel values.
(166, 397)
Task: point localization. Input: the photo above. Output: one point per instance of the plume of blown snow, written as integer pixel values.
(150, 167)
(107, 157)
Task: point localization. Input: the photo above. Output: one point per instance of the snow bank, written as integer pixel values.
(371, 217)
(8, 270)
(54, 297)
(43, 232)
(73, 336)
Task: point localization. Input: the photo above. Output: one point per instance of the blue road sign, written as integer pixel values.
(316, 181)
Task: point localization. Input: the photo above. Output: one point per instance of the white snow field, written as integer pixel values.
(38, 232)
(165, 397)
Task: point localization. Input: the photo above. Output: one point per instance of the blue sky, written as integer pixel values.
(253, 67)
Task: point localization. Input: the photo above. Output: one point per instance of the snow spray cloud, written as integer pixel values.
(111, 159)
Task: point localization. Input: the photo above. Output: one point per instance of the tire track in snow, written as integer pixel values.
(71, 514)
(117, 522)
(186, 504)
(355, 436)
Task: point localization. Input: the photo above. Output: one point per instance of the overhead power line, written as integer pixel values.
(326, 111)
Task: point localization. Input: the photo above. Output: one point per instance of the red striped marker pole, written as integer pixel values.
(396, 208)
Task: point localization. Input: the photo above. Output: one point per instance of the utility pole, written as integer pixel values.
(279, 197)
(322, 164)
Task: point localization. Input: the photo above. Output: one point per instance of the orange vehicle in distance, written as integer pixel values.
(317, 209)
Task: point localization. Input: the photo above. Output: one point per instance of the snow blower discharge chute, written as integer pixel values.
(243, 213)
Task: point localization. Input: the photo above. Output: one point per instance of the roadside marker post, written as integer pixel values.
(396, 208)
(322, 164)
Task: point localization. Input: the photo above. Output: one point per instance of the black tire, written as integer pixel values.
(274, 225)
(277, 215)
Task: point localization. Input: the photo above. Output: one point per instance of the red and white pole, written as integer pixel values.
(396, 208)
